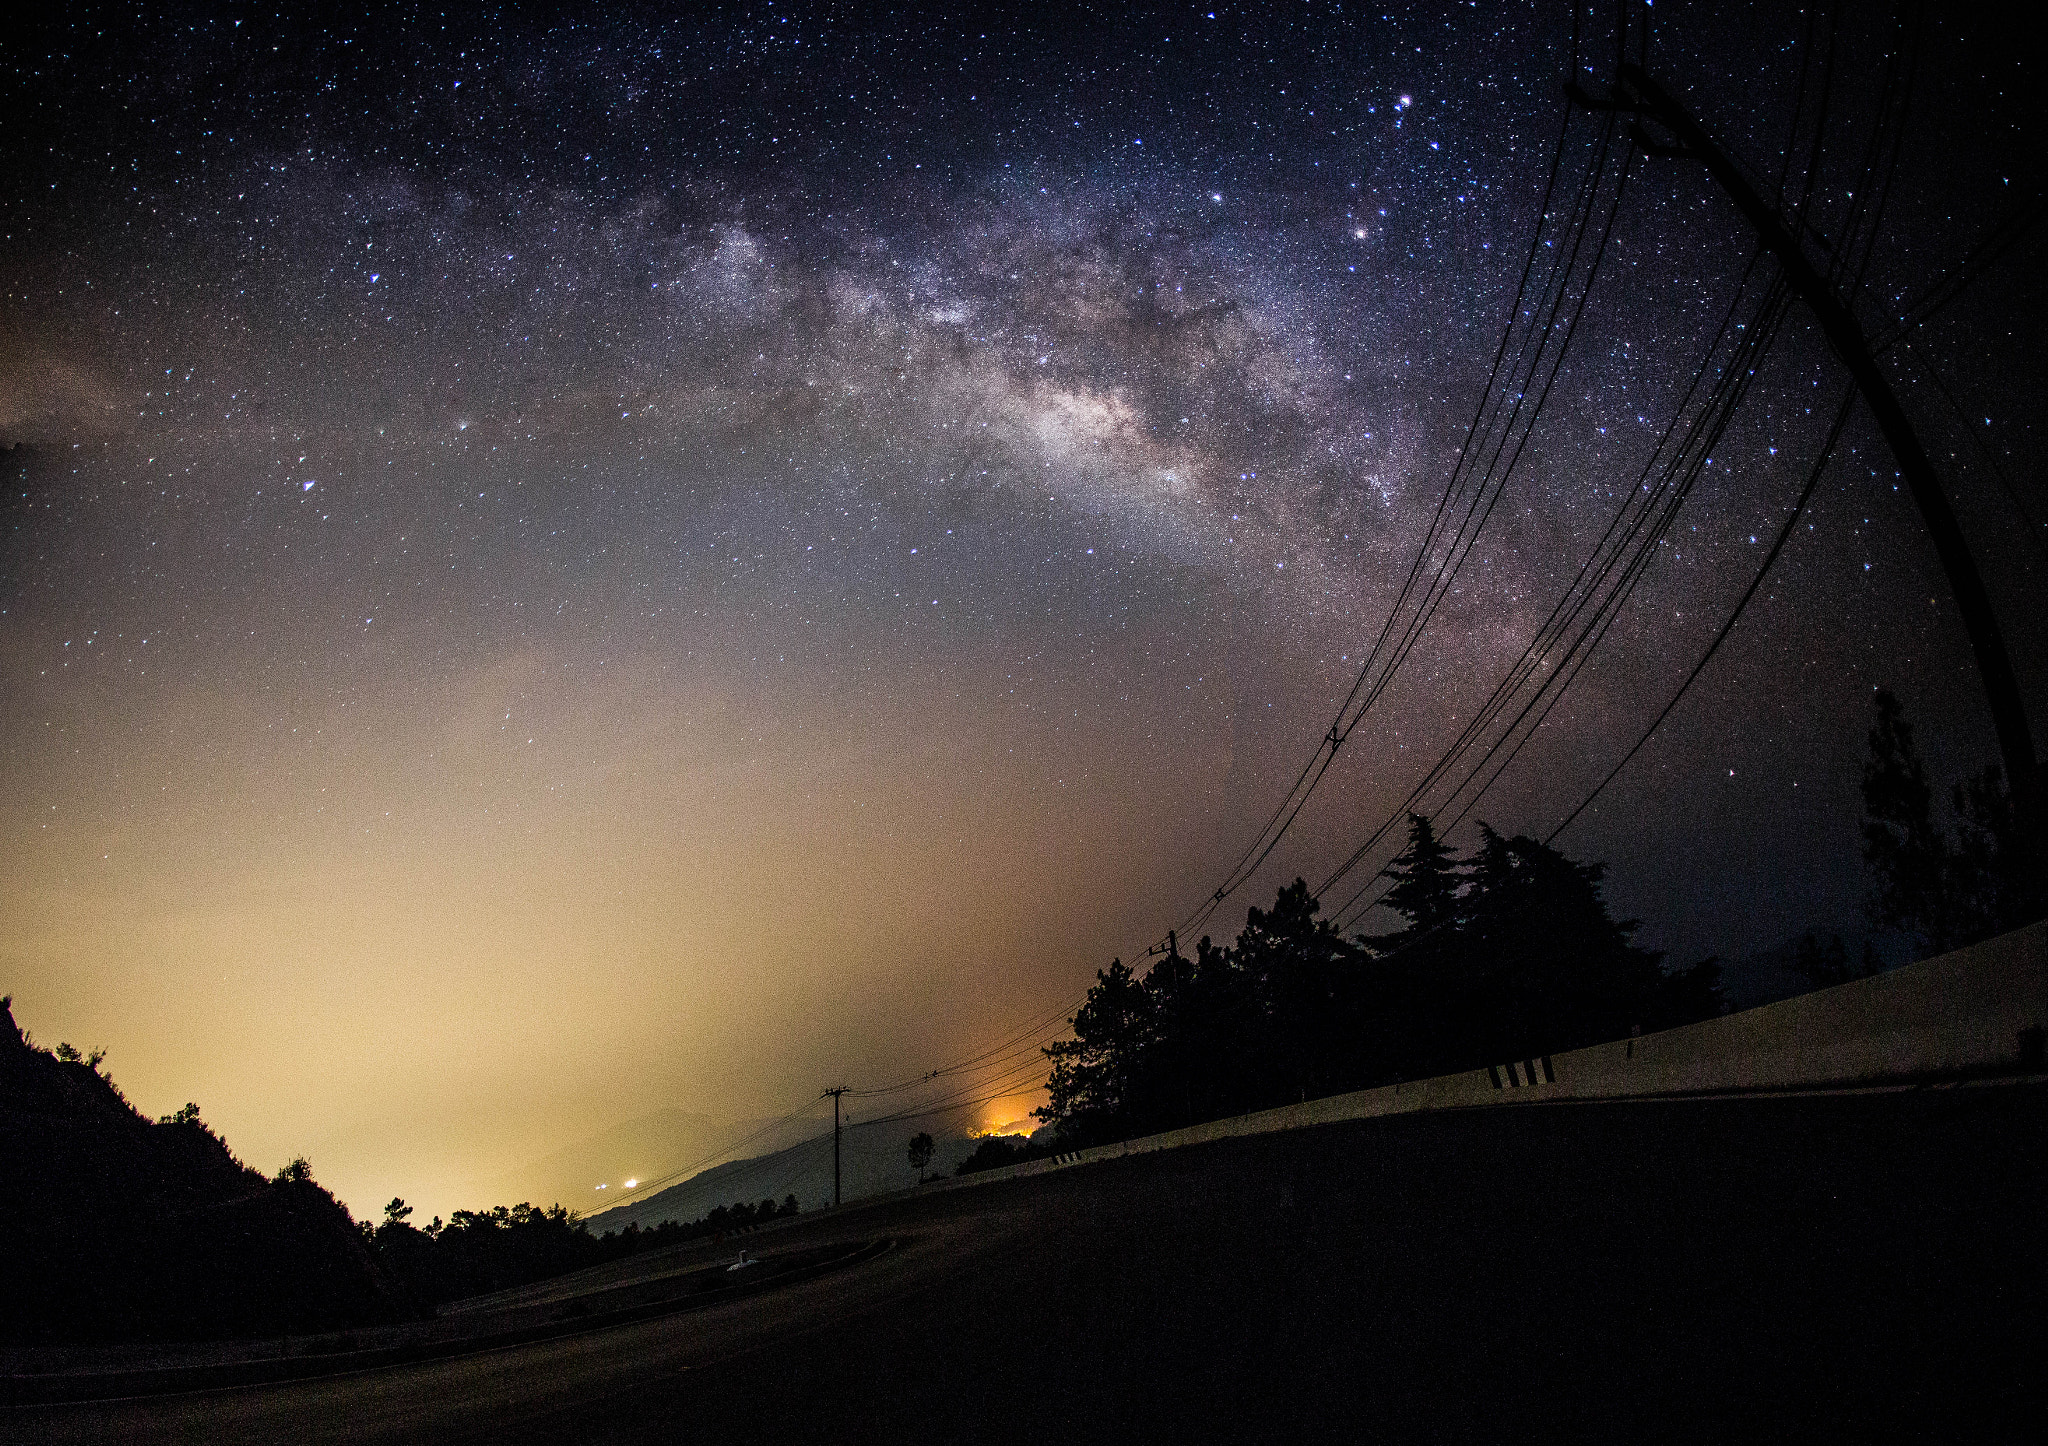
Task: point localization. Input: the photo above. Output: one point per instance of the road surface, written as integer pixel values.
(1804, 1267)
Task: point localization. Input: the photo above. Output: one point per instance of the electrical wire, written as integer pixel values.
(1702, 439)
(1887, 134)
(2034, 527)
(1588, 640)
(1642, 500)
(1482, 499)
(1990, 248)
(1239, 870)
(1497, 440)
(1777, 546)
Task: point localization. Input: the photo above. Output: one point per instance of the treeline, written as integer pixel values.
(996, 1151)
(1506, 954)
(477, 1251)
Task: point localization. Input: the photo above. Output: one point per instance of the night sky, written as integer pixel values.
(554, 569)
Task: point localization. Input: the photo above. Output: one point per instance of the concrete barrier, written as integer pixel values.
(1975, 1012)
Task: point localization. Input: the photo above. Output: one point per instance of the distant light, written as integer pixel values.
(631, 1183)
(306, 486)
(600, 1187)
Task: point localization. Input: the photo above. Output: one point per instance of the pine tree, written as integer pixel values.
(1090, 1091)
(1907, 854)
(1426, 878)
(1943, 892)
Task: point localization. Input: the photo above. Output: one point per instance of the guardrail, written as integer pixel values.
(1975, 1012)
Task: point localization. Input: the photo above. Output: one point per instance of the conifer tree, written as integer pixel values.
(1426, 878)
(1943, 892)
(1907, 853)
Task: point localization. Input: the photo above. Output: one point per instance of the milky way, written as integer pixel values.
(558, 570)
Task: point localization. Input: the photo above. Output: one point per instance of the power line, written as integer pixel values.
(1495, 445)
(1010, 1085)
(2005, 485)
(1990, 248)
(1784, 533)
(1777, 546)
(1487, 491)
(1695, 447)
(1245, 863)
(1589, 638)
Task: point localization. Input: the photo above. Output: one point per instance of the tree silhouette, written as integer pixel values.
(1907, 854)
(1992, 892)
(1508, 954)
(1305, 973)
(1426, 878)
(1829, 964)
(1553, 969)
(1942, 893)
(1093, 1073)
(921, 1148)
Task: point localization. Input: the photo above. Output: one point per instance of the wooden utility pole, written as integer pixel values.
(1180, 1028)
(1642, 96)
(1176, 1021)
(835, 1093)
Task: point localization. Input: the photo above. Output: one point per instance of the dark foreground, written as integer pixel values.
(1809, 1267)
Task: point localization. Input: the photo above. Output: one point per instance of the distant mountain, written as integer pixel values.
(873, 1160)
(1769, 975)
(643, 1148)
(117, 1228)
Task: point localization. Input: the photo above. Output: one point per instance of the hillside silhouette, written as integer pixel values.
(641, 1147)
(122, 1228)
(871, 1163)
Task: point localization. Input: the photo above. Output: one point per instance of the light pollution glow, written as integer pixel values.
(688, 603)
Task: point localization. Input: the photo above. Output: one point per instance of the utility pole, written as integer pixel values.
(1177, 1023)
(1640, 95)
(1180, 1031)
(835, 1093)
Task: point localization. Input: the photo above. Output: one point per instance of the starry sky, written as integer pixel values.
(557, 569)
